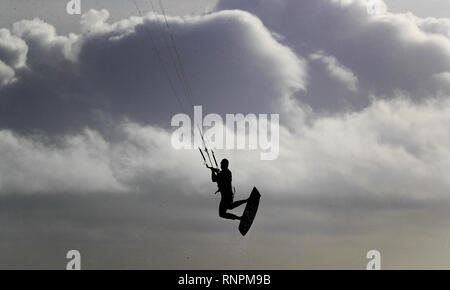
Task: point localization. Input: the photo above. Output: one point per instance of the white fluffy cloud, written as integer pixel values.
(13, 50)
(392, 149)
(433, 25)
(336, 70)
(78, 164)
(13, 53)
(6, 74)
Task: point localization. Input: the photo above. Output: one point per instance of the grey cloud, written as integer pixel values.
(336, 70)
(6, 74)
(138, 158)
(433, 25)
(387, 52)
(112, 71)
(13, 50)
(383, 151)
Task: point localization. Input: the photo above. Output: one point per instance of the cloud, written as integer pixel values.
(336, 70)
(353, 180)
(387, 52)
(87, 163)
(391, 150)
(13, 50)
(78, 164)
(113, 71)
(439, 26)
(6, 74)
(98, 78)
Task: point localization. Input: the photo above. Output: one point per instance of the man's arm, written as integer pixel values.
(214, 172)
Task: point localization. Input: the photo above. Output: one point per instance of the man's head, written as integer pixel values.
(224, 164)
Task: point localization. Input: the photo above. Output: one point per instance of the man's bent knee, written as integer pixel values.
(222, 213)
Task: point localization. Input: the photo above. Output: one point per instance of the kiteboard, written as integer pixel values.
(250, 210)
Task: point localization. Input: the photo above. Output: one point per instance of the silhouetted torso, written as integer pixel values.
(223, 179)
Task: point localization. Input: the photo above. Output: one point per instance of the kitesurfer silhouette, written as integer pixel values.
(223, 179)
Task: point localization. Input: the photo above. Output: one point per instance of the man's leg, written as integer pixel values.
(237, 203)
(224, 214)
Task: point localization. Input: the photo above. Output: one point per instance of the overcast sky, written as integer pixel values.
(86, 160)
(50, 10)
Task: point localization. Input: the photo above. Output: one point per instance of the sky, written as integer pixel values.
(86, 160)
(432, 8)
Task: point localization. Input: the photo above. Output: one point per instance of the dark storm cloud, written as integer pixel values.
(114, 71)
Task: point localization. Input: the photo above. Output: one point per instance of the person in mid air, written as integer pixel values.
(223, 179)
